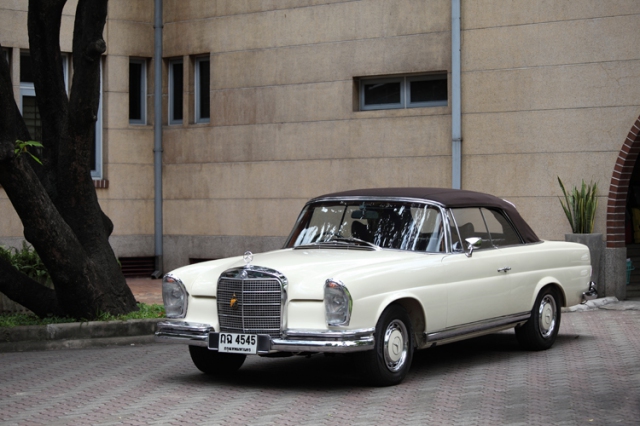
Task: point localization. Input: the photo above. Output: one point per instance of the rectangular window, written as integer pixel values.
(176, 74)
(31, 114)
(96, 154)
(28, 104)
(415, 91)
(137, 91)
(202, 90)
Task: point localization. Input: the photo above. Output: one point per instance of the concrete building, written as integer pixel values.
(269, 103)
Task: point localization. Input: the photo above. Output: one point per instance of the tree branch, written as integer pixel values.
(27, 292)
(44, 22)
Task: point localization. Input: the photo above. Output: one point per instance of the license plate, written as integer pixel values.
(238, 343)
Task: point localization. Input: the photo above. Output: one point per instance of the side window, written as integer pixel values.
(176, 75)
(202, 87)
(501, 230)
(137, 91)
(471, 224)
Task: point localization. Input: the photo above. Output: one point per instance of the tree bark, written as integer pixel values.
(56, 201)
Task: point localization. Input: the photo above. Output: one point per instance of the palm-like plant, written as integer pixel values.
(580, 207)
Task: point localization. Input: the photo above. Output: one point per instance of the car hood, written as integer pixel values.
(305, 270)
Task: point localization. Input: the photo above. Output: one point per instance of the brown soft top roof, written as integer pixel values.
(448, 198)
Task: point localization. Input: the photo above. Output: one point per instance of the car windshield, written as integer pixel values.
(384, 224)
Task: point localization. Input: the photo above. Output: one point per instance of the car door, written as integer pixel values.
(480, 287)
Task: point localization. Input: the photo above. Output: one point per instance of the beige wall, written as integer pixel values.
(127, 148)
(283, 126)
(548, 89)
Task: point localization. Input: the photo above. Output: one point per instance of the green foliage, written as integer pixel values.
(145, 312)
(15, 320)
(23, 147)
(580, 207)
(27, 261)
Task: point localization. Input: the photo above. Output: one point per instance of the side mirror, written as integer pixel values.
(472, 243)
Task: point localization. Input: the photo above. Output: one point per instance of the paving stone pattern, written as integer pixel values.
(591, 376)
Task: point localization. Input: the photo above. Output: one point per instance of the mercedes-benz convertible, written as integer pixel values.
(377, 274)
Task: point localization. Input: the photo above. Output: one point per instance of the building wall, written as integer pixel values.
(550, 89)
(128, 148)
(284, 126)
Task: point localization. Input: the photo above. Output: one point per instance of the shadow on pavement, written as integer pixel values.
(320, 372)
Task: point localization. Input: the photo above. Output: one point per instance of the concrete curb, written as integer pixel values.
(77, 335)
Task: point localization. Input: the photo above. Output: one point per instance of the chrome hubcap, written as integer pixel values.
(396, 345)
(547, 316)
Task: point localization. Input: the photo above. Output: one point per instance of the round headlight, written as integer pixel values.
(174, 296)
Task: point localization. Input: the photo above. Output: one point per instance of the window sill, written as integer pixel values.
(101, 183)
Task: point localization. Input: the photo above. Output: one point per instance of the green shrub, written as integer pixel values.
(27, 261)
(580, 207)
(17, 319)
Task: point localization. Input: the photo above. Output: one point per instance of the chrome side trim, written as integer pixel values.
(590, 294)
(476, 328)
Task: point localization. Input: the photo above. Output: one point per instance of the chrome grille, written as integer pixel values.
(259, 305)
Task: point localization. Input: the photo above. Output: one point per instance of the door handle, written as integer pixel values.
(505, 269)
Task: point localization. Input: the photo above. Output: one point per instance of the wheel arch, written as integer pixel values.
(416, 314)
(550, 282)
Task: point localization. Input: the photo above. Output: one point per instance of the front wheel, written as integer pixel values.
(540, 331)
(388, 363)
(215, 363)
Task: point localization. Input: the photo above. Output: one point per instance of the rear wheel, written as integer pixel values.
(388, 363)
(540, 331)
(214, 362)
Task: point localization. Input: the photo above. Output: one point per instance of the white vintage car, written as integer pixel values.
(379, 273)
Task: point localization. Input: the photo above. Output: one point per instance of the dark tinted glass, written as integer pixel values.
(382, 93)
(177, 71)
(428, 90)
(204, 89)
(31, 117)
(25, 68)
(135, 90)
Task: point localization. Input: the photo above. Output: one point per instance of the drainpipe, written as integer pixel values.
(456, 115)
(157, 137)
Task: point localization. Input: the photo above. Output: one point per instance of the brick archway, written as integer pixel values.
(617, 202)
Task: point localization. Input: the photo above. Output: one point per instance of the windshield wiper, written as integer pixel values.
(348, 240)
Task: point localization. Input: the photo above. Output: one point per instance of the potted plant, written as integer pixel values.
(580, 206)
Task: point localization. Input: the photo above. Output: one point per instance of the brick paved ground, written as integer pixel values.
(591, 376)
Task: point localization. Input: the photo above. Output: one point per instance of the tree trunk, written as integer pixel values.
(56, 201)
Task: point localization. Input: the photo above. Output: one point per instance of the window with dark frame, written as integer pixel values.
(31, 115)
(28, 103)
(414, 91)
(202, 90)
(176, 75)
(137, 91)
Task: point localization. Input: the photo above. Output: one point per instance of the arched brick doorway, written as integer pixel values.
(619, 188)
(617, 248)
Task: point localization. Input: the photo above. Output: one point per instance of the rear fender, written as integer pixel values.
(548, 282)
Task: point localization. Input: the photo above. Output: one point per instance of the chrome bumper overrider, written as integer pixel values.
(591, 294)
(291, 341)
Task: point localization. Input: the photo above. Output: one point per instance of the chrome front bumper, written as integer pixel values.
(591, 294)
(337, 341)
